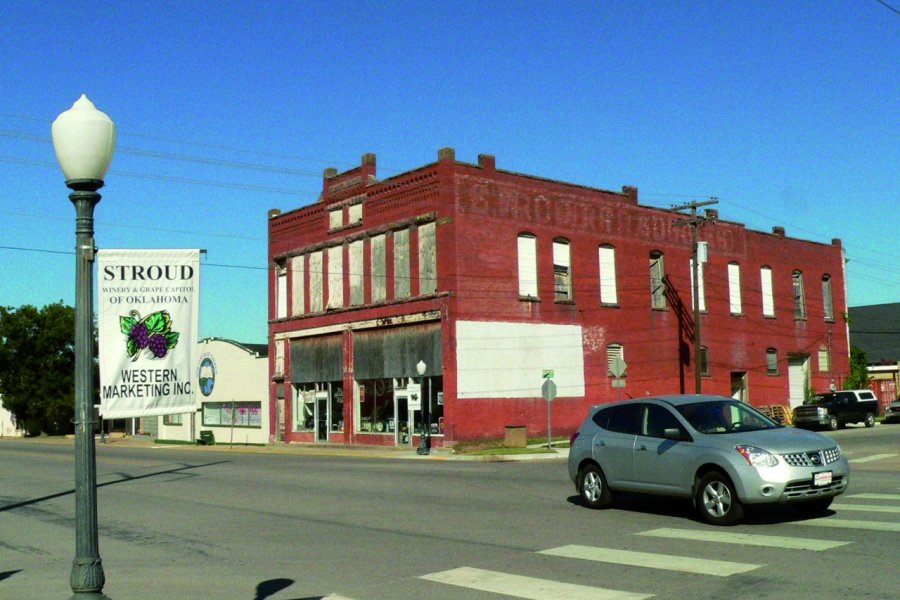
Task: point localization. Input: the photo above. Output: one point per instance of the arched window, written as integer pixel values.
(613, 353)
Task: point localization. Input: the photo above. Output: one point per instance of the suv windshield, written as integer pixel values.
(725, 416)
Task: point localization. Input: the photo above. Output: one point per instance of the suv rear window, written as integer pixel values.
(625, 418)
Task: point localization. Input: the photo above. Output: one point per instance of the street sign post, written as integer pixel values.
(548, 391)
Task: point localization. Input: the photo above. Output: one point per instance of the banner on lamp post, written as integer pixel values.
(148, 310)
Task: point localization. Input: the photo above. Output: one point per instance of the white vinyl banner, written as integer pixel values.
(148, 304)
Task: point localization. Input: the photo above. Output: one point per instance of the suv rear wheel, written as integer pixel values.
(870, 420)
(595, 493)
(716, 501)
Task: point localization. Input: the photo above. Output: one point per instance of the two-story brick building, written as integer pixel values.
(484, 280)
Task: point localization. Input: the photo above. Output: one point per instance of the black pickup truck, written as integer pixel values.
(835, 409)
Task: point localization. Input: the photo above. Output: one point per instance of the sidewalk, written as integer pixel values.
(407, 453)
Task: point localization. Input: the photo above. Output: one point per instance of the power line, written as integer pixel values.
(888, 6)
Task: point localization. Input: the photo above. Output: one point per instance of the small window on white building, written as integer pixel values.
(768, 300)
(527, 256)
(657, 281)
(734, 288)
(562, 270)
(608, 290)
(827, 300)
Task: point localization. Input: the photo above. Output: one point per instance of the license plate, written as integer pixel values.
(820, 479)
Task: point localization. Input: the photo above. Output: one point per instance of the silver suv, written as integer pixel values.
(720, 452)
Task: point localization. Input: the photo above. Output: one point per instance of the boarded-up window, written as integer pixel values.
(734, 288)
(336, 218)
(827, 301)
(355, 273)
(355, 214)
(401, 263)
(824, 360)
(657, 281)
(316, 287)
(608, 289)
(395, 352)
(799, 296)
(317, 359)
(335, 277)
(701, 288)
(768, 300)
(281, 293)
(562, 270)
(427, 259)
(527, 254)
(298, 285)
(378, 268)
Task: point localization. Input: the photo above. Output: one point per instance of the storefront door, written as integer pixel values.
(322, 416)
(402, 429)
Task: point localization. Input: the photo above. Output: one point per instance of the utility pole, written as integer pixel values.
(696, 221)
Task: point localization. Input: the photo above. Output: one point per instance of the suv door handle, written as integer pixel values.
(599, 443)
(642, 448)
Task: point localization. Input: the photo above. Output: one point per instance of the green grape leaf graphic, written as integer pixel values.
(159, 322)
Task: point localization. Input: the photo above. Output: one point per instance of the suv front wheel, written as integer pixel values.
(716, 501)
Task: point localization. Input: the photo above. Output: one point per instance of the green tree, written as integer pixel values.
(37, 366)
(858, 379)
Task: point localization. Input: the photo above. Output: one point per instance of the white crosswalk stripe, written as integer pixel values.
(850, 524)
(669, 562)
(745, 539)
(874, 496)
(867, 508)
(872, 458)
(531, 588)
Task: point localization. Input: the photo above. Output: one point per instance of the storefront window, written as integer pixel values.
(432, 406)
(237, 414)
(376, 406)
(319, 407)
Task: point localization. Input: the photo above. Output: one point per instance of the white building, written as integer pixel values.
(7, 425)
(231, 383)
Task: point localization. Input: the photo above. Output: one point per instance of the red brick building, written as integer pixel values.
(487, 279)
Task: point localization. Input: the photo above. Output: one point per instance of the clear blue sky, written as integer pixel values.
(787, 112)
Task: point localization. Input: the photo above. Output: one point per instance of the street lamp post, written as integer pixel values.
(84, 139)
(425, 437)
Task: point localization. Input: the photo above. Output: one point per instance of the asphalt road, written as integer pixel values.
(197, 523)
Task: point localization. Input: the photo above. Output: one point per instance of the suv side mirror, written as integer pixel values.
(676, 434)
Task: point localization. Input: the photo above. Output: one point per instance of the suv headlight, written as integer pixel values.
(757, 457)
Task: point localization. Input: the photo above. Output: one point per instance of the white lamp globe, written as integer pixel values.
(420, 368)
(84, 139)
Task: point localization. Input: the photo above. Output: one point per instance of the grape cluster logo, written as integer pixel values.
(151, 335)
